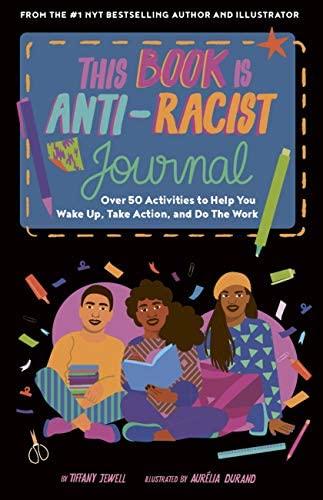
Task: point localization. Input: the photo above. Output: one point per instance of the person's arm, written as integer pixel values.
(269, 372)
(271, 383)
(113, 377)
(110, 382)
(131, 351)
(59, 361)
(190, 383)
(60, 357)
(203, 350)
(185, 391)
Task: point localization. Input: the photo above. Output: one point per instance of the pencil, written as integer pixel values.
(272, 200)
(27, 119)
(297, 440)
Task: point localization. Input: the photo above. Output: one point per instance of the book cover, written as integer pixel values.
(166, 182)
(162, 371)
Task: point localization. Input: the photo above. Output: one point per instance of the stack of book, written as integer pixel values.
(81, 377)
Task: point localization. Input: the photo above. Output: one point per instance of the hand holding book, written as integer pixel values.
(94, 393)
(162, 395)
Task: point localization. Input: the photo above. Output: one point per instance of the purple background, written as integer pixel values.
(121, 326)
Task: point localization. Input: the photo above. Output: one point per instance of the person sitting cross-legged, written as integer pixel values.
(167, 413)
(82, 380)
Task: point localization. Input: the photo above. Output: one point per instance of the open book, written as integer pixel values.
(161, 372)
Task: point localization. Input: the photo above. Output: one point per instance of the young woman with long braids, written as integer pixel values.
(237, 341)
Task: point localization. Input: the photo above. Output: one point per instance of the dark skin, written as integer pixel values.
(234, 300)
(152, 315)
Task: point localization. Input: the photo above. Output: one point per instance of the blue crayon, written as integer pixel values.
(197, 292)
(58, 283)
(287, 333)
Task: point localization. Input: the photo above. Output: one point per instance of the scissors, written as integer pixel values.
(36, 450)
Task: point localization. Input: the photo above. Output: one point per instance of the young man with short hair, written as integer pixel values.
(95, 358)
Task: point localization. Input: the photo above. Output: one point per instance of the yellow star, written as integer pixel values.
(274, 44)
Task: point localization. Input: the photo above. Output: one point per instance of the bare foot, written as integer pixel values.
(82, 422)
(163, 435)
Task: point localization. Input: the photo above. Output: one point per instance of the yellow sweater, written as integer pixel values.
(81, 348)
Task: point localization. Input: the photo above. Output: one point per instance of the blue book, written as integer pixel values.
(161, 372)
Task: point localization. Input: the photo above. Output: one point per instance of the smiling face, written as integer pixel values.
(95, 312)
(234, 300)
(152, 314)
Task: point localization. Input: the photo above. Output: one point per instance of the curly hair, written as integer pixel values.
(183, 325)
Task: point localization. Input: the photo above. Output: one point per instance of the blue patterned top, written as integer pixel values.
(254, 353)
